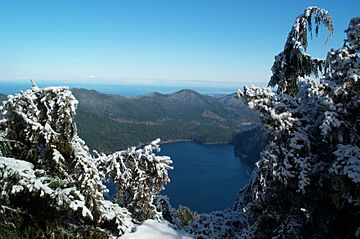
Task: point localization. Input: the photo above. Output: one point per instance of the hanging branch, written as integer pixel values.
(293, 62)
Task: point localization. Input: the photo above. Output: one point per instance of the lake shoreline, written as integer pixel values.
(194, 141)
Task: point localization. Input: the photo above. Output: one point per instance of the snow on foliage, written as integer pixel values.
(130, 170)
(347, 162)
(353, 33)
(219, 224)
(293, 61)
(309, 173)
(19, 176)
(54, 163)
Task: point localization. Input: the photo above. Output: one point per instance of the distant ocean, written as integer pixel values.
(7, 87)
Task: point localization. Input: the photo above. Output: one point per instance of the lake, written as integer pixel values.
(205, 178)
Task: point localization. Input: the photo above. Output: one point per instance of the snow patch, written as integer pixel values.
(152, 229)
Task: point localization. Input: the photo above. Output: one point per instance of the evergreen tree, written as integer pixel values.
(308, 179)
(44, 164)
(307, 182)
(293, 61)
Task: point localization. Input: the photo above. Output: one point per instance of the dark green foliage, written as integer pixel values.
(109, 122)
(107, 135)
(185, 216)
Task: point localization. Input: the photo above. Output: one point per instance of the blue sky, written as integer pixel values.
(188, 42)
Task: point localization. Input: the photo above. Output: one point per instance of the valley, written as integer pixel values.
(113, 122)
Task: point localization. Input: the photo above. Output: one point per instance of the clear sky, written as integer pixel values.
(189, 42)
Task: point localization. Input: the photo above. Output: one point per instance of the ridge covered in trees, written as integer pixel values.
(182, 115)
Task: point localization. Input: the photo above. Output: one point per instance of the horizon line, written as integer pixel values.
(139, 81)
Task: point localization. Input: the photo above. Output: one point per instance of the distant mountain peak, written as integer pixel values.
(185, 91)
(154, 94)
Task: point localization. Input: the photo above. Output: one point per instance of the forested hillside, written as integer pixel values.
(108, 122)
(249, 143)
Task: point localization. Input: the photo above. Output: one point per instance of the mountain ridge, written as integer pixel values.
(157, 103)
(182, 115)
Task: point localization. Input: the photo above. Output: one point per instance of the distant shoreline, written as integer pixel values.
(128, 90)
(194, 141)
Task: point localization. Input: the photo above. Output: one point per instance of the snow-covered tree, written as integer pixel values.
(308, 179)
(307, 182)
(46, 164)
(218, 224)
(293, 61)
(139, 175)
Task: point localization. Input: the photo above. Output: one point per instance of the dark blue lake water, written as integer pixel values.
(205, 177)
